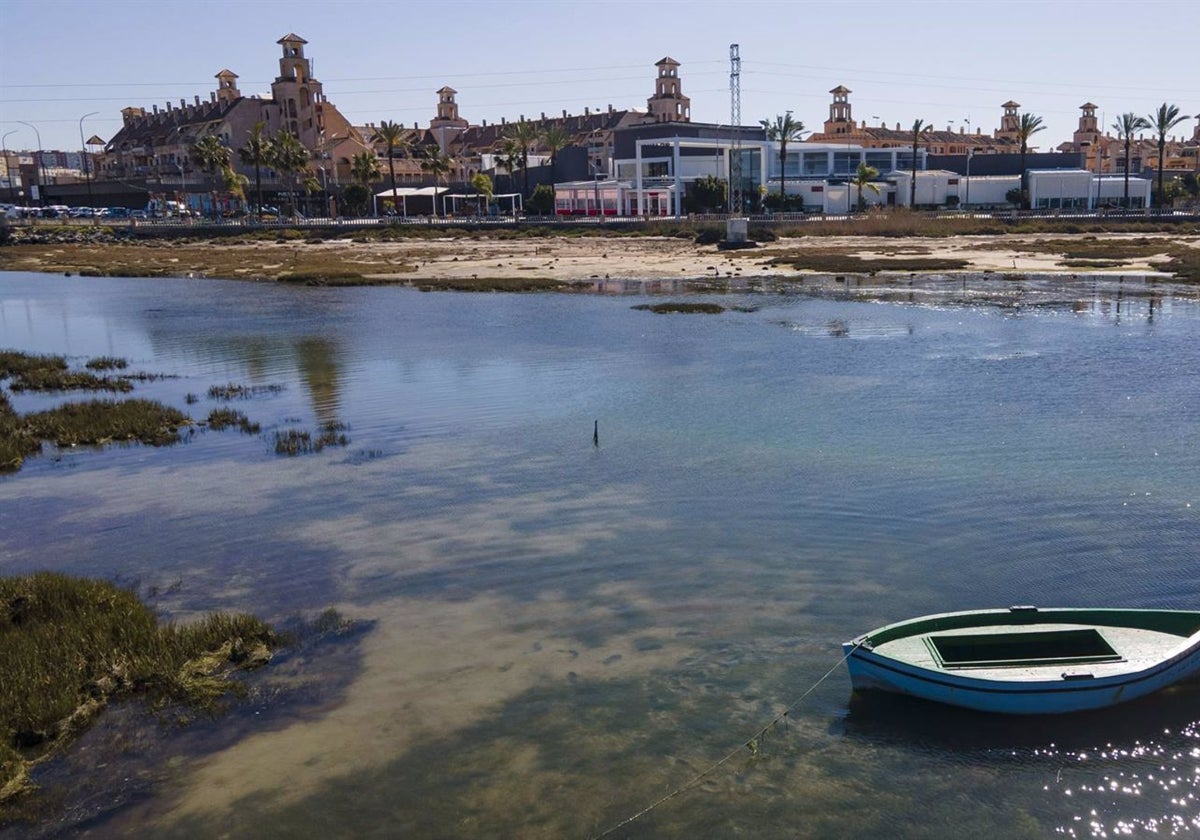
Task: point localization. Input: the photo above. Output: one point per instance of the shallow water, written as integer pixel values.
(560, 633)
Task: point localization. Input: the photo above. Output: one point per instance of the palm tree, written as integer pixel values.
(290, 159)
(919, 127)
(554, 138)
(1128, 125)
(783, 131)
(864, 177)
(364, 166)
(212, 156)
(258, 152)
(392, 135)
(436, 163)
(482, 184)
(1162, 121)
(1028, 126)
(523, 134)
(509, 157)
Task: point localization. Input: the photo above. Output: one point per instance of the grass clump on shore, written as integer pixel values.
(327, 278)
(827, 262)
(676, 306)
(491, 284)
(68, 646)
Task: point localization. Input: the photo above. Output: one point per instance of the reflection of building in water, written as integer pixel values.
(318, 366)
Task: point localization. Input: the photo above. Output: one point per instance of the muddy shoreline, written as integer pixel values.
(487, 263)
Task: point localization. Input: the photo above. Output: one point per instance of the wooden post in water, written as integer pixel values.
(596, 434)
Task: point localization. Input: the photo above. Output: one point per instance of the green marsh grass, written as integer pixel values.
(31, 372)
(233, 391)
(303, 442)
(224, 418)
(106, 363)
(677, 306)
(68, 646)
(98, 422)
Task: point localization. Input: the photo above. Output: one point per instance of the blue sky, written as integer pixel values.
(942, 62)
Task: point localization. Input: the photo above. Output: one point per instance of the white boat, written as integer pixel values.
(1029, 661)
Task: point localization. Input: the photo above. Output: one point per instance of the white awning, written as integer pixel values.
(406, 192)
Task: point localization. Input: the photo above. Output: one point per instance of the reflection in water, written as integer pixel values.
(317, 360)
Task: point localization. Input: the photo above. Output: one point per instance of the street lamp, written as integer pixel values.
(87, 174)
(7, 170)
(39, 163)
(970, 154)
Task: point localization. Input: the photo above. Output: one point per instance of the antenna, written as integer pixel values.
(735, 119)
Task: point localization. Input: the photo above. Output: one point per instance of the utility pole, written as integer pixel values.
(735, 120)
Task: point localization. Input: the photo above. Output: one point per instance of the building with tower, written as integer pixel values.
(153, 148)
(668, 104)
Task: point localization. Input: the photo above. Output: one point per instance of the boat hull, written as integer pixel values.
(1024, 691)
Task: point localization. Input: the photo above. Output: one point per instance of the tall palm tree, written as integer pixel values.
(1126, 126)
(864, 176)
(1162, 121)
(509, 157)
(258, 152)
(290, 159)
(391, 135)
(918, 128)
(364, 168)
(1028, 126)
(436, 163)
(783, 130)
(212, 156)
(524, 135)
(554, 138)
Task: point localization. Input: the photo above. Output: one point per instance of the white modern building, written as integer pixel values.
(654, 181)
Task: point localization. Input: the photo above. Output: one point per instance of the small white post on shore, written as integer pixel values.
(736, 230)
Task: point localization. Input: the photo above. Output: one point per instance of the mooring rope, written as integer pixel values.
(751, 743)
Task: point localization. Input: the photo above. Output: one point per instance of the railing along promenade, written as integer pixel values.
(200, 225)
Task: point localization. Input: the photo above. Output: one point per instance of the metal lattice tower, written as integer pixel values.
(735, 120)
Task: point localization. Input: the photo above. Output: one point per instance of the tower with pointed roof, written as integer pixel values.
(447, 111)
(668, 104)
(297, 94)
(227, 89)
(840, 120)
(1009, 122)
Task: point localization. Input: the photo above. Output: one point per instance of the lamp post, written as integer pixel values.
(39, 164)
(970, 154)
(7, 171)
(87, 174)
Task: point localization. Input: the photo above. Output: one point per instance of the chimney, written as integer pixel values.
(897, 126)
(503, 121)
(156, 109)
(543, 116)
(587, 112)
(564, 113)
(610, 108)
(197, 99)
(522, 118)
(182, 102)
(212, 97)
